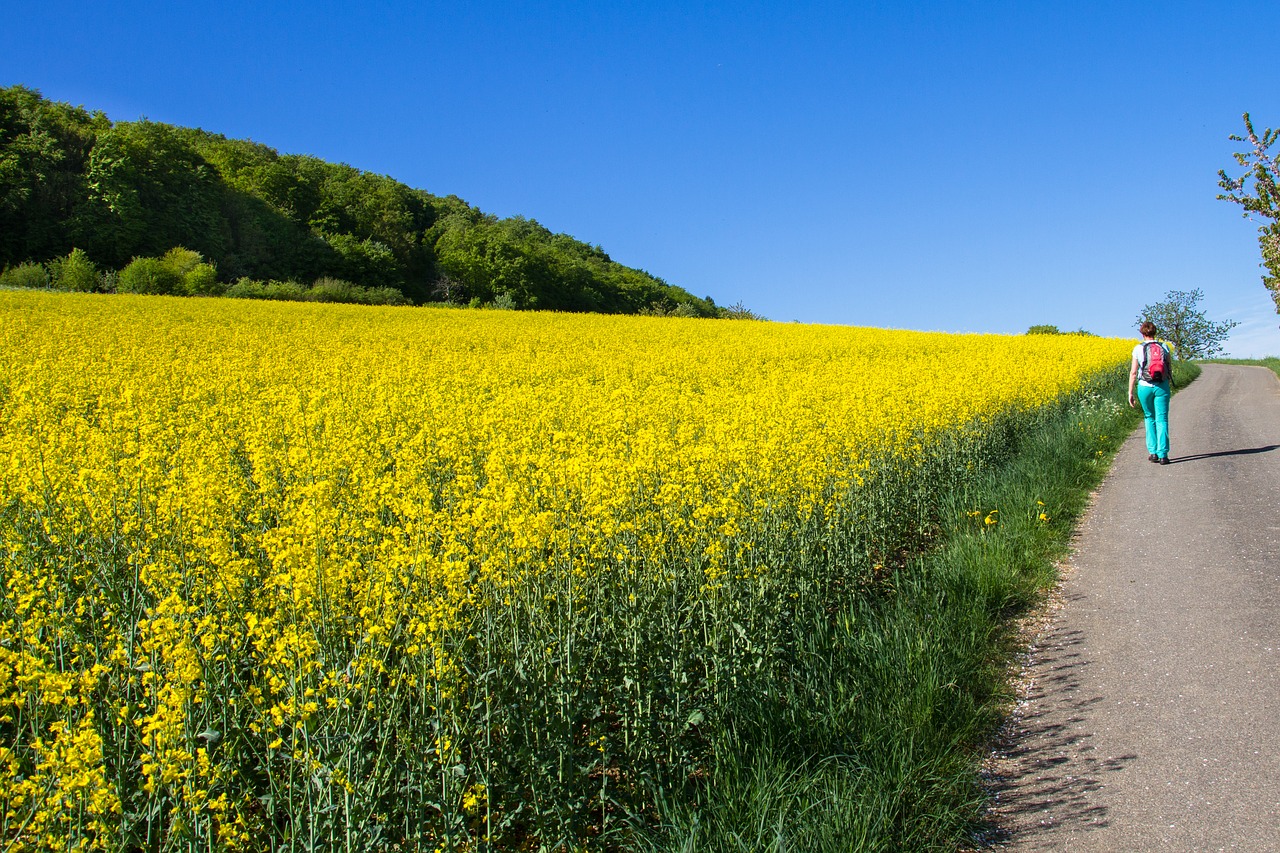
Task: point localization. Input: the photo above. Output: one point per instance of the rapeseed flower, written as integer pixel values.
(412, 559)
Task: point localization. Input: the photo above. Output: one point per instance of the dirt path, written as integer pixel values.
(1151, 719)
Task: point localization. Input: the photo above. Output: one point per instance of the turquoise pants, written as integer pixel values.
(1154, 400)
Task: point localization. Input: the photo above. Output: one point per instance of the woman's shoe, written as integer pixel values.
(1153, 458)
(1164, 460)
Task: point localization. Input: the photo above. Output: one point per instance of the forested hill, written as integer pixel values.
(72, 179)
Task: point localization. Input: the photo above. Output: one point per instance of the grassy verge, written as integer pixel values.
(1270, 362)
(878, 748)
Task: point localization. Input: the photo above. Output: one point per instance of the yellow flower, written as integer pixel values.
(287, 518)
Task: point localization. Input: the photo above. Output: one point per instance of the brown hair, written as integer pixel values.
(1148, 329)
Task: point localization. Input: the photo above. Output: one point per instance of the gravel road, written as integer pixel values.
(1150, 717)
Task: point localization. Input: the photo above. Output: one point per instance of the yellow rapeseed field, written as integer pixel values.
(313, 576)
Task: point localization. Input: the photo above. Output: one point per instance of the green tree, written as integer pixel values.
(44, 147)
(149, 275)
(1183, 324)
(149, 190)
(198, 278)
(1054, 330)
(181, 259)
(1257, 191)
(368, 261)
(202, 280)
(74, 272)
(738, 311)
(27, 275)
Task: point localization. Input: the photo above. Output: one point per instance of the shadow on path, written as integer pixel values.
(1244, 452)
(1046, 751)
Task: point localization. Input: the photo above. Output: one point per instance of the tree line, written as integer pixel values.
(89, 203)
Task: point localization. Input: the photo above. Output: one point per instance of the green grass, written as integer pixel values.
(878, 746)
(1271, 362)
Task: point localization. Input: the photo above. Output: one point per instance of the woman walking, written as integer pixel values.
(1150, 385)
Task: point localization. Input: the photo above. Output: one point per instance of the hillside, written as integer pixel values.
(74, 179)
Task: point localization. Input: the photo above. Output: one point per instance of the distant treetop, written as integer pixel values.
(1054, 330)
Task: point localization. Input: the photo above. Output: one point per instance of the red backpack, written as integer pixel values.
(1154, 369)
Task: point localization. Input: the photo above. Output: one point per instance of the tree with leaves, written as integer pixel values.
(1261, 200)
(1184, 325)
(738, 311)
(82, 195)
(1046, 329)
(44, 151)
(74, 272)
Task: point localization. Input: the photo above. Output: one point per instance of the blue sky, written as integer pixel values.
(968, 167)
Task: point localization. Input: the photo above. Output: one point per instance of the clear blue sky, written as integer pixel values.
(957, 166)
